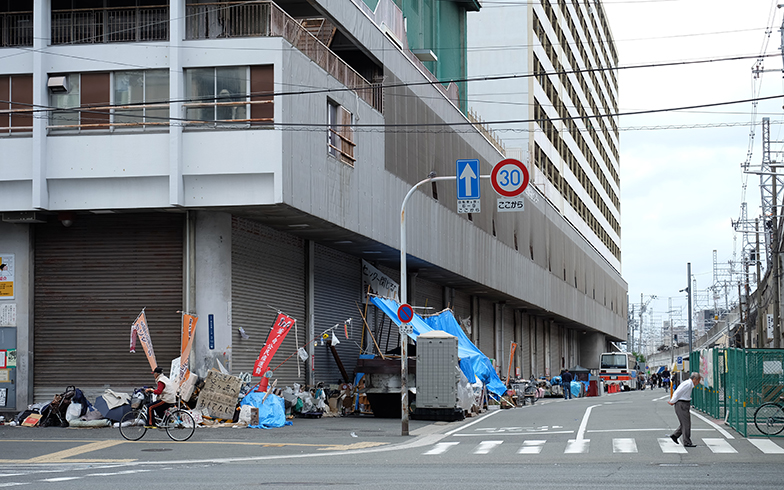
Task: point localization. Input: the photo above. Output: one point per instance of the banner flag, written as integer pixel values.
(276, 335)
(141, 329)
(188, 330)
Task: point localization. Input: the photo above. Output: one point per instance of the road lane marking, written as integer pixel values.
(667, 446)
(584, 423)
(12, 484)
(531, 447)
(480, 419)
(75, 451)
(61, 478)
(536, 433)
(723, 432)
(576, 446)
(126, 472)
(767, 446)
(442, 447)
(718, 445)
(624, 445)
(486, 446)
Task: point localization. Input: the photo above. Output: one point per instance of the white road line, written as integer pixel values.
(575, 446)
(767, 446)
(718, 445)
(519, 433)
(531, 447)
(584, 423)
(62, 478)
(126, 472)
(624, 446)
(442, 447)
(667, 446)
(723, 432)
(480, 419)
(661, 398)
(12, 484)
(487, 446)
(666, 429)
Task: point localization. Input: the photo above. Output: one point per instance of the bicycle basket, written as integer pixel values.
(137, 400)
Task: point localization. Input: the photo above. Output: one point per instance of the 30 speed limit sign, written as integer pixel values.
(509, 177)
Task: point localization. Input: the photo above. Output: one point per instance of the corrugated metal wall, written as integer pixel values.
(429, 295)
(267, 275)
(91, 281)
(337, 293)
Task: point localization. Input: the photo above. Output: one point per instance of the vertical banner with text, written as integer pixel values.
(6, 276)
(141, 329)
(276, 335)
(186, 344)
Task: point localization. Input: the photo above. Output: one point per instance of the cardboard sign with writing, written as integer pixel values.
(32, 420)
(219, 395)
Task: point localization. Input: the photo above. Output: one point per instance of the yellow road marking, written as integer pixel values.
(59, 456)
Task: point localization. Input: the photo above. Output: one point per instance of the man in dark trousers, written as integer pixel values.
(681, 399)
(566, 382)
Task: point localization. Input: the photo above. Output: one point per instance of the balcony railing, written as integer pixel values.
(265, 19)
(110, 25)
(16, 29)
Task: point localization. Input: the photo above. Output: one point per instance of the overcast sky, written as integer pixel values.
(681, 187)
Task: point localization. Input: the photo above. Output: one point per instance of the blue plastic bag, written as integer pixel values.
(272, 412)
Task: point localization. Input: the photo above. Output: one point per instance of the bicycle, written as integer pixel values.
(177, 422)
(769, 417)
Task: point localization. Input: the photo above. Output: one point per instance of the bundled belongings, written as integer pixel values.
(53, 415)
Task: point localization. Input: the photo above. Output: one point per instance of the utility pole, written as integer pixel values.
(760, 324)
(688, 273)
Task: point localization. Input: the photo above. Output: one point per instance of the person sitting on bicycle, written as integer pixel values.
(166, 395)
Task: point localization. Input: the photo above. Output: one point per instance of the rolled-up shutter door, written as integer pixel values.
(267, 275)
(92, 280)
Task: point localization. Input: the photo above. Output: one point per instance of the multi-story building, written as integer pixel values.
(551, 67)
(237, 159)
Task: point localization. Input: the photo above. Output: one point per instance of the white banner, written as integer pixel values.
(379, 283)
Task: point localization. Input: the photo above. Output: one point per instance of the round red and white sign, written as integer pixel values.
(509, 177)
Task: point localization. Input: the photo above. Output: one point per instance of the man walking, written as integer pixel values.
(681, 399)
(566, 382)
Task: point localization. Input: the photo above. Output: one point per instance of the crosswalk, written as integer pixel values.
(619, 446)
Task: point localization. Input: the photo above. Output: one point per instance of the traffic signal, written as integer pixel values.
(675, 338)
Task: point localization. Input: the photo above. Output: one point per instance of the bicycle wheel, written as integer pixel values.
(769, 419)
(179, 425)
(132, 425)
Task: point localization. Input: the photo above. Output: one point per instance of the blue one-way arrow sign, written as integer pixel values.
(468, 179)
(468, 186)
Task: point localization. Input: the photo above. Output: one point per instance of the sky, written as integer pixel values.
(682, 184)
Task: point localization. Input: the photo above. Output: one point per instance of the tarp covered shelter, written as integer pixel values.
(473, 362)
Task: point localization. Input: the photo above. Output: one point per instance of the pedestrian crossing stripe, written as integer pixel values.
(619, 445)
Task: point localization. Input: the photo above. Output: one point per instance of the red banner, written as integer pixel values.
(278, 332)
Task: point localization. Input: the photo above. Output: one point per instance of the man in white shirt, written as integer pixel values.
(681, 399)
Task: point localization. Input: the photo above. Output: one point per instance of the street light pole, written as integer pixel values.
(403, 299)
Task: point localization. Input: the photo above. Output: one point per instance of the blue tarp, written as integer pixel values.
(272, 413)
(473, 362)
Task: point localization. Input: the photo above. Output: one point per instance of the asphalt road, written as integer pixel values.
(613, 441)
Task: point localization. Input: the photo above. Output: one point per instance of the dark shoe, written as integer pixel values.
(674, 439)
(689, 445)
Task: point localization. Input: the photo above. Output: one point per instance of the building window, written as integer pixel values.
(217, 97)
(141, 98)
(340, 135)
(65, 102)
(116, 101)
(16, 104)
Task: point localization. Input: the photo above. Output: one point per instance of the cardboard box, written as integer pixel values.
(32, 420)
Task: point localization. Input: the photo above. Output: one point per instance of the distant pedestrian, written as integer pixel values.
(681, 399)
(566, 382)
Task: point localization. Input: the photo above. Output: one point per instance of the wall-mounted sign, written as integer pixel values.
(6, 276)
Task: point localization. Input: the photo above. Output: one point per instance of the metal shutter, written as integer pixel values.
(267, 275)
(91, 280)
(486, 327)
(338, 284)
(430, 295)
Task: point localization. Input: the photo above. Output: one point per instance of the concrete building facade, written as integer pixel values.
(240, 159)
